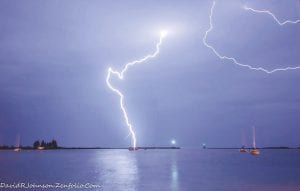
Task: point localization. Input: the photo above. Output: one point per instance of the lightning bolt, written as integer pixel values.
(120, 75)
(234, 60)
(272, 15)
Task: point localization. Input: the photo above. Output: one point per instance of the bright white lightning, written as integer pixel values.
(234, 60)
(272, 15)
(120, 75)
(163, 33)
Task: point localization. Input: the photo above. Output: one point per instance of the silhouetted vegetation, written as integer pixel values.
(282, 147)
(46, 145)
(36, 145)
(6, 147)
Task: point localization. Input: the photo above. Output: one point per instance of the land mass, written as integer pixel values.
(80, 148)
(280, 147)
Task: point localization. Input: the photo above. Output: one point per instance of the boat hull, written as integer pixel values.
(254, 152)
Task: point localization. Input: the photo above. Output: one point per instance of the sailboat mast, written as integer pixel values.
(243, 141)
(18, 140)
(254, 141)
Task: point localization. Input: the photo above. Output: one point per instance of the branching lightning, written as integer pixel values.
(120, 75)
(272, 15)
(234, 60)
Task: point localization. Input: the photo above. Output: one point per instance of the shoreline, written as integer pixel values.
(263, 148)
(89, 148)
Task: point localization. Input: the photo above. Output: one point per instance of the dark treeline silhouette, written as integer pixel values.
(6, 147)
(36, 145)
(46, 145)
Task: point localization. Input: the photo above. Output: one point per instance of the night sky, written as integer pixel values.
(54, 57)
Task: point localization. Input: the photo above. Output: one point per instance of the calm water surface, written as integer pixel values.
(151, 170)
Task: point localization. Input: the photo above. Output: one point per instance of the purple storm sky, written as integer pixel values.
(54, 57)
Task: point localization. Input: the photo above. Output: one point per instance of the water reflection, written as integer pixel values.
(118, 170)
(174, 173)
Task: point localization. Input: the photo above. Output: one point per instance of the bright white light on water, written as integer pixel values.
(173, 142)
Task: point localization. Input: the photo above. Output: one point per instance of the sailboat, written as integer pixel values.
(242, 149)
(133, 148)
(18, 148)
(254, 150)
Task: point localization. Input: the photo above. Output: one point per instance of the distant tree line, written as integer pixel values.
(47, 145)
(6, 147)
